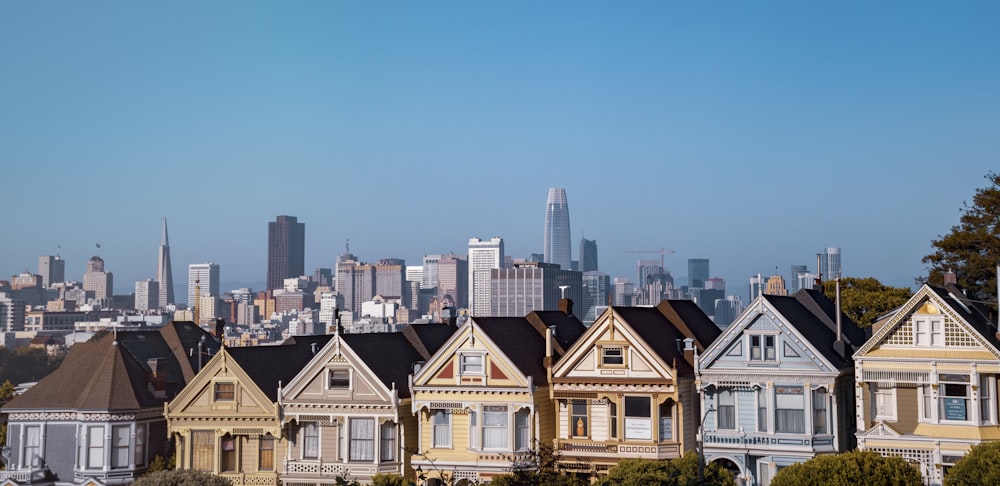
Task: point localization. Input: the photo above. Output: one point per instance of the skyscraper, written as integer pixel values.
(697, 272)
(557, 245)
(832, 268)
(528, 286)
(147, 295)
(483, 256)
(588, 255)
(52, 269)
(795, 283)
(453, 279)
(286, 250)
(95, 279)
(164, 274)
(206, 276)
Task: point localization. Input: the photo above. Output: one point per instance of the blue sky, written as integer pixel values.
(750, 133)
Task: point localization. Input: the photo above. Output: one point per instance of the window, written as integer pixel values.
(32, 446)
(495, 427)
(95, 447)
(789, 410)
(472, 364)
(954, 391)
(762, 348)
(522, 430)
(762, 410)
(612, 356)
(885, 402)
(928, 331)
(339, 380)
(638, 424)
(819, 411)
(986, 391)
(727, 410)
(926, 402)
(202, 445)
(441, 431)
(362, 447)
(140, 444)
(613, 412)
(227, 454)
(667, 421)
(310, 440)
(578, 418)
(473, 430)
(119, 446)
(225, 392)
(266, 453)
(387, 438)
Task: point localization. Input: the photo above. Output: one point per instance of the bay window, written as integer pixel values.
(265, 458)
(362, 439)
(95, 447)
(522, 430)
(387, 438)
(495, 431)
(638, 418)
(578, 418)
(310, 440)
(955, 395)
(140, 444)
(227, 456)
(789, 410)
(440, 428)
(202, 445)
(667, 421)
(120, 445)
(727, 410)
(819, 411)
(32, 450)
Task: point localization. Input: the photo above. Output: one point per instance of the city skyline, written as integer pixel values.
(754, 135)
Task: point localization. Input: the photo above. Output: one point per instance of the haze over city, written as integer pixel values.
(754, 135)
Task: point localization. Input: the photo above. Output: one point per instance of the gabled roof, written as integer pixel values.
(659, 334)
(520, 342)
(690, 320)
(814, 317)
(427, 339)
(567, 328)
(389, 355)
(115, 372)
(270, 366)
(972, 312)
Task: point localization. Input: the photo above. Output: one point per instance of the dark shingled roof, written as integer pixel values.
(427, 339)
(115, 373)
(691, 321)
(567, 328)
(389, 355)
(977, 315)
(662, 337)
(268, 366)
(811, 315)
(520, 341)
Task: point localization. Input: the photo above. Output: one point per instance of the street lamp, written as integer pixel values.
(701, 445)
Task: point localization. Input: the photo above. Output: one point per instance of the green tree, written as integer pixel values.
(26, 364)
(675, 472)
(389, 480)
(864, 299)
(538, 467)
(972, 248)
(854, 468)
(980, 466)
(6, 393)
(184, 477)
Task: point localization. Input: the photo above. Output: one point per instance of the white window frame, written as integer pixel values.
(307, 438)
(329, 379)
(884, 400)
(987, 399)
(762, 348)
(468, 366)
(636, 424)
(820, 397)
(495, 412)
(360, 447)
(117, 448)
(928, 331)
(141, 439)
(943, 382)
(388, 451)
(729, 411)
(440, 420)
(605, 355)
(94, 444)
(31, 454)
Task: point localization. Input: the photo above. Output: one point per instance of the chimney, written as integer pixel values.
(566, 306)
(840, 346)
(689, 350)
(949, 277)
(157, 382)
(220, 329)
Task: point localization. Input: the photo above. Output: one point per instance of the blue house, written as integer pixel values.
(777, 386)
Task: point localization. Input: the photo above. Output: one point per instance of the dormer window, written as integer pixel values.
(762, 348)
(612, 356)
(339, 380)
(225, 392)
(471, 364)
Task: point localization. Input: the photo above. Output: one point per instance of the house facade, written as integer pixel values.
(777, 386)
(483, 397)
(347, 413)
(626, 388)
(99, 417)
(927, 381)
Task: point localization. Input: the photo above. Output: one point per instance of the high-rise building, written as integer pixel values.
(515, 292)
(52, 269)
(624, 292)
(322, 277)
(390, 276)
(346, 258)
(164, 272)
(483, 257)
(588, 255)
(756, 286)
(726, 311)
(205, 276)
(775, 286)
(697, 272)
(147, 295)
(96, 280)
(794, 282)
(596, 288)
(430, 279)
(356, 282)
(12, 314)
(557, 236)
(832, 268)
(716, 283)
(453, 279)
(286, 250)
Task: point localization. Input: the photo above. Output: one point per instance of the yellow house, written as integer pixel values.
(347, 413)
(483, 397)
(227, 420)
(926, 382)
(626, 389)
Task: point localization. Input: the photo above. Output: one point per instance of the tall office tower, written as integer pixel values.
(96, 280)
(244, 312)
(795, 284)
(147, 295)
(346, 258)
(483, 257)
(430, 271)
(805, 281)
(832, 268)
(707, 298)
(726, 311)
(415, 273)
(12, 314)
(775, 286)
(645, 270)
(286, 250)
(596, 288)
(588, 255)
(390, 275)
(624, 292)
(356, 283)
(164, 272)
(528, 286)
(697, 272)
(556, 246)
(52, 269)
(716, 283)
(322, 277)
(453, 279)
(206, 276)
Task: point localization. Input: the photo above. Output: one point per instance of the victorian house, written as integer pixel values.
(98, 419)
(777, 386)
(227, 421)
(927, 381)
(347, 413)
(626, 388)
(483, 397)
